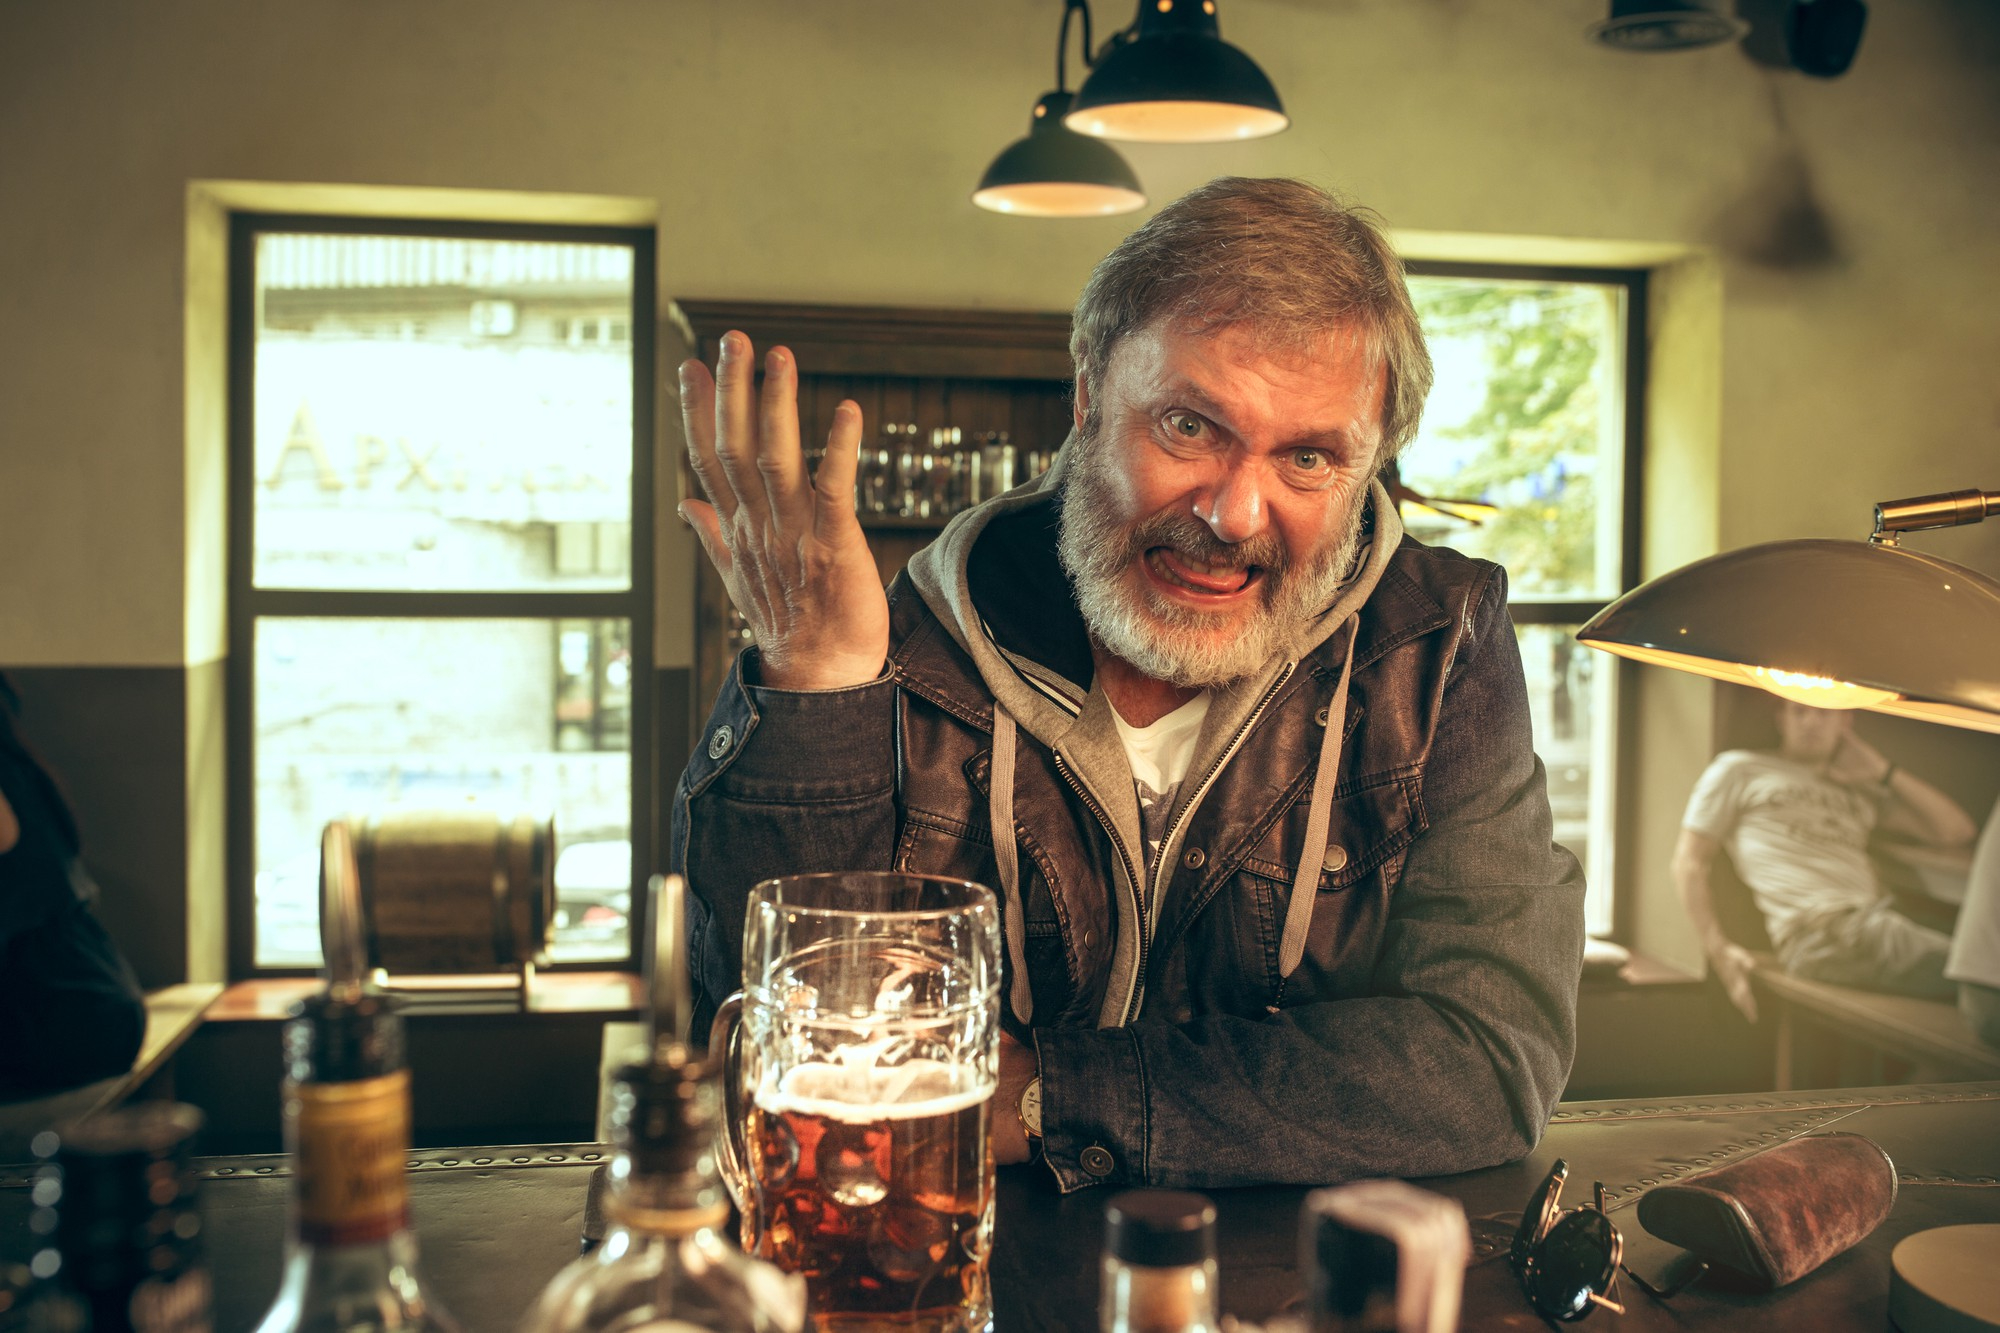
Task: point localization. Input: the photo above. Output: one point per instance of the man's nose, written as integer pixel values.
(1232, 504)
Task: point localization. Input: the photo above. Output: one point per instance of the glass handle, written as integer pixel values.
(724, 1044)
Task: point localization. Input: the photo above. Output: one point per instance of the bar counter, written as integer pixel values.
(496, 1223)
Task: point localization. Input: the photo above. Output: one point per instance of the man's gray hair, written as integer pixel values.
(1280, 255)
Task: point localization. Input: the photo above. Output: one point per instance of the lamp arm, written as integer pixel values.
(1951, 509)
(1062, 41)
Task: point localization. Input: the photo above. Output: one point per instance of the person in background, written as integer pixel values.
(70, 1009)
(1796, 824)
(1273, 847)
(1975, 945)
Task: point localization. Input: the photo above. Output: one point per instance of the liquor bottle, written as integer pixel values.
(1380, 1256)
(350, 1258)
(1159, 1264)
(115, 1199)
(663, 1266)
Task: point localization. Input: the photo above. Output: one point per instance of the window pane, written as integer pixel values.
(442, 414)
(1572, 709)
(1527, 416)
(361, 716)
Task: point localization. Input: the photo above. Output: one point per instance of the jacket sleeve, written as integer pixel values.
(781, 782)
(1452, 1063)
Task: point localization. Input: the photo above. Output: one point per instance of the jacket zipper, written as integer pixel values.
(1131, 879)
(1208, 779)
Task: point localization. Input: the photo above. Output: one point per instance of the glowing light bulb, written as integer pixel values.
(1818, 691)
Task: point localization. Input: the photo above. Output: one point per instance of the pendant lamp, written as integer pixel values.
(1170, 78)
(1665, 25)
(1056, 172)
(1835, 624)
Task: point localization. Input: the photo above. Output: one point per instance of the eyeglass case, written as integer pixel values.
(1778, 1215)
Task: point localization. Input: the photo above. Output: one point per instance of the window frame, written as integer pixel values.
(247, 604)
(1633, 325)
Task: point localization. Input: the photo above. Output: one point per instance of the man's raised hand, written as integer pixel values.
(788, 546)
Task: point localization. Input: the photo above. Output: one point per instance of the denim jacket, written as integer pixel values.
(1430, 1026)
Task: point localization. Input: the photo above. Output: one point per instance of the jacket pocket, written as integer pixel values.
(1370, 827)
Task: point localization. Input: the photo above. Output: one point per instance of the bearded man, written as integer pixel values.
(1273, 846)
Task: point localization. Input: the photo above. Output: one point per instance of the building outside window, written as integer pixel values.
(441, 558)
(1529, 456)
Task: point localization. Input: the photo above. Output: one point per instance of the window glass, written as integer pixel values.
(361, 716)
(1572, 709)
(1526, 421)
(442, 414)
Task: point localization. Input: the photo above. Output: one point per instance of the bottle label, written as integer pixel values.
(348, 1143)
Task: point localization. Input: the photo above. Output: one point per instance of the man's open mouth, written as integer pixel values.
(1200, 577)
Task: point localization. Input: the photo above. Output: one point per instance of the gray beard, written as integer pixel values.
(1167, 641)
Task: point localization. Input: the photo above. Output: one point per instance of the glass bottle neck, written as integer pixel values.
(1139, 1299)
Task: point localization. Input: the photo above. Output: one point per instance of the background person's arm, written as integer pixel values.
(1915, 809)
(1694, 856)
(10, 827)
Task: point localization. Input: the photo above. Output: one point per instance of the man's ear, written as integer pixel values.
(1080, 401)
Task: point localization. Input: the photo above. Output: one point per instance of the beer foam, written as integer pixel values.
(859, 1095)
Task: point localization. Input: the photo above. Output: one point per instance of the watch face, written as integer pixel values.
(1031, 1107)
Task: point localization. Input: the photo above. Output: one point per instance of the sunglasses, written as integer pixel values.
(1568, 1260)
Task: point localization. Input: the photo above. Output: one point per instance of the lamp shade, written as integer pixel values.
(1665, 25)
(1839, 624)
(1177, 81)
(1057, 173)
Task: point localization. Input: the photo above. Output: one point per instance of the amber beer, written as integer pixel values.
(876, 1184)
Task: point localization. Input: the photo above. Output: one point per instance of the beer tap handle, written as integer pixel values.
(340, 932)
(667, 989)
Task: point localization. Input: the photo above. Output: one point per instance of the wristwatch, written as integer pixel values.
(1031, 1108)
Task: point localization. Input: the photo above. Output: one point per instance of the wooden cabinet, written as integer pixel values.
(979, 371)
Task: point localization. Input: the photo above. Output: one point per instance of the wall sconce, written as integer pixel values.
(1167, 78)
(1835, 624)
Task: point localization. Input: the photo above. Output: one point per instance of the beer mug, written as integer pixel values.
(859, 1061)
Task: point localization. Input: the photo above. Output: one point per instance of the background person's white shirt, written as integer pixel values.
(1797, 838)
(1975, 944)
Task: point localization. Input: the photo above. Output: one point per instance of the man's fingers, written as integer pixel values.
(698, 423)
(779, 459)
(736, 421)
(835, 482)
(701, 516)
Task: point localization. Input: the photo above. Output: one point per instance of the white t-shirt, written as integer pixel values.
(1975, 944)
(1798, 839)
(1160, 755)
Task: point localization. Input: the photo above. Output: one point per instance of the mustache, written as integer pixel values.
(1187, 535)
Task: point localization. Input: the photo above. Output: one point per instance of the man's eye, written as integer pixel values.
(1309, 460)
(1184, 423)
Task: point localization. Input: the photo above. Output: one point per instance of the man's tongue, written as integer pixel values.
(1217, 579)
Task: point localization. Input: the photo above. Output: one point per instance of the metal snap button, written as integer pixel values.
(719, 742)
(1193, 858)
(1089, 939)
(1321, 716)
(1336, 858)
(1096, 1160)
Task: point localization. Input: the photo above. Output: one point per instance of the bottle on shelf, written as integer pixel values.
(350, 1257)
(663, 1266)
(116, 1209)
(1159, 1264)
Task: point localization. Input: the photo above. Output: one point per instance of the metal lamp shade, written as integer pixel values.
(1058, 173)
(1177, 82)
(1665, 25)
(1840, 624)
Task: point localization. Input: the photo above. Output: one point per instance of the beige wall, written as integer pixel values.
(823, 151)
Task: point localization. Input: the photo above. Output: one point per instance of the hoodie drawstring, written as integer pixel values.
(1305, 888)
(1000, 815)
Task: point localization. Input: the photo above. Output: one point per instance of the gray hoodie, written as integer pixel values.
(1078, 728)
